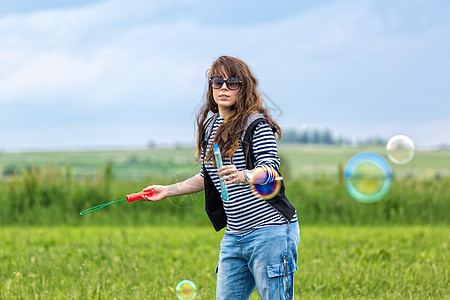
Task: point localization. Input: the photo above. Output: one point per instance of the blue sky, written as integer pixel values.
(92, 74)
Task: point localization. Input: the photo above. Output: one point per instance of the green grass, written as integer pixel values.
(51, 196)
(313, 161)
(396, 248)
(48, 199)
(128, 164)
(301, 161)
(336, 262)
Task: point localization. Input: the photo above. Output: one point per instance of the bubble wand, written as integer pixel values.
(128, 198)
(223, 186)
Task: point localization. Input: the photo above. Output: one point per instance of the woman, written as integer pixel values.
(259, 246)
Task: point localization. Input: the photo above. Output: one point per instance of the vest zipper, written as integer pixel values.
(289, 222)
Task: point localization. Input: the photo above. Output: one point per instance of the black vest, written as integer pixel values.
(213, 200)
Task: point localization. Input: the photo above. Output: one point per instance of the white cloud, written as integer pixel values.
(318, 65)
(87, 53)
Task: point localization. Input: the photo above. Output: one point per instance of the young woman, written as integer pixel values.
(259, 246)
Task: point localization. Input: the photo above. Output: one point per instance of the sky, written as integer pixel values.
(104, 74)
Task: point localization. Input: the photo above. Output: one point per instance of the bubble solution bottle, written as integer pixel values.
(219, 163)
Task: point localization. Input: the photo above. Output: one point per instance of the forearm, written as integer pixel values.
(260, 175)
(264, 175)
(192, 185)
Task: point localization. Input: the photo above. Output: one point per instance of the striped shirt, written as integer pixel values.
(246, 211)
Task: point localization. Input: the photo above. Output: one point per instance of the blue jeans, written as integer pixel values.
(265, 258)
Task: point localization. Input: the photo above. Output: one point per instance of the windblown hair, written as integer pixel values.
(248, 102)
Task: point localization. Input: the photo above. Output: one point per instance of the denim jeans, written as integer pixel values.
(265, 258)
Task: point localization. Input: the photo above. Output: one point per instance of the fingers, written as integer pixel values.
(149, 188)
(159, 193)
(231, 174)
(227, 170)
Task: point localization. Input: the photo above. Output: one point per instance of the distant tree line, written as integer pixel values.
(324, 137)
(311, 136)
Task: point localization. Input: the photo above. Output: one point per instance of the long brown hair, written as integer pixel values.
(248, 102)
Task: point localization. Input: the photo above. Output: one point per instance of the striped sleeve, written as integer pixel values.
(265, 147)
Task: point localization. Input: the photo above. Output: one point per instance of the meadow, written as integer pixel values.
(396, 248)
(108, 262)
(301, 161)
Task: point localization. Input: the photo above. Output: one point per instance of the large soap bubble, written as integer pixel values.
(368, 177)
(270, 189)
(400, 149)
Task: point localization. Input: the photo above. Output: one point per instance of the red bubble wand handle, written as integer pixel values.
(138, 196)
(129, 198)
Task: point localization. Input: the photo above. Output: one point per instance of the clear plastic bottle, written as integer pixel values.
(223, 186)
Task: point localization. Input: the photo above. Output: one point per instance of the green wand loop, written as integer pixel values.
(95, 208)
(129, 198)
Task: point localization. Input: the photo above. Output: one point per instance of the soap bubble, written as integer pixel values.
(400, 149)
(186, 289)
(269, 190)
(367, 177)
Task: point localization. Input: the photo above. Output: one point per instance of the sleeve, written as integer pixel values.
(201, 166)
(265, 147)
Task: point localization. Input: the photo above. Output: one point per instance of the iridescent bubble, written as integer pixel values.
(400, 149)
(269, 190)
(186, 289)
(368, 177)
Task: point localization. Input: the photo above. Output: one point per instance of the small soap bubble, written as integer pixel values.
(368, 177)
(400, 149)
(186, 289)
(268, 190)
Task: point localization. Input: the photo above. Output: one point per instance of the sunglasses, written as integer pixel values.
(233, 83)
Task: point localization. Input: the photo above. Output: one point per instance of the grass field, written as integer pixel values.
(338, 262)
(396, 248)
(310, 161)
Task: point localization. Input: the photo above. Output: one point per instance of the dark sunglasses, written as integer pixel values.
(233, 83)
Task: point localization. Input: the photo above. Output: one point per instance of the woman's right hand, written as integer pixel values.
(159, 193)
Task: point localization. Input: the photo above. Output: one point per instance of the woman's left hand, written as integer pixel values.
(231, 174)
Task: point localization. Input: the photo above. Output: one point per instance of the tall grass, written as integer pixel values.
(52, 196)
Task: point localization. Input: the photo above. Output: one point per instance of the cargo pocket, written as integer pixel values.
(283, 273)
